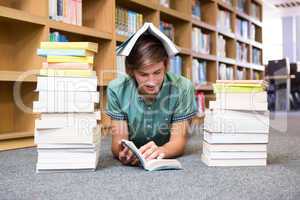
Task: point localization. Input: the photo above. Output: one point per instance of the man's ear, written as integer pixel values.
(129, 71)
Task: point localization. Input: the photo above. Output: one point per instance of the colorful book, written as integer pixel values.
(68, 72)
(67, 66)
(70, 45)
(68, 59)
(64, 52)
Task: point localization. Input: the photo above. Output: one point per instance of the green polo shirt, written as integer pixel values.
(151, 121)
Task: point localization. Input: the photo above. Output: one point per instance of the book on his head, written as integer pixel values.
(148, 28)
(155, 164)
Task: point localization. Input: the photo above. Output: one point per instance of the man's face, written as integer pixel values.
(150, 78)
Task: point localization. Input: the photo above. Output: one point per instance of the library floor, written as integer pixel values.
(279, 180)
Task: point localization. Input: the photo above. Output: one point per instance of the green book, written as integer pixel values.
(238, 88)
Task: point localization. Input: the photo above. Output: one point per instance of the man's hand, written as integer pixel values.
(151, 151)
(126, 157)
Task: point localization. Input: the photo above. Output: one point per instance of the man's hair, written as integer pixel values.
(147, 50)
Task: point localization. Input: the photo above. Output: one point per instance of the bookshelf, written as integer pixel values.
(27, 24)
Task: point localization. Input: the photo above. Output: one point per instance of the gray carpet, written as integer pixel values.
(279, 180)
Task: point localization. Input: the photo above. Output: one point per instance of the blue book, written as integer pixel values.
(63, 52)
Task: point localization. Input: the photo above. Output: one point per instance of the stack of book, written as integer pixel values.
(67, 134)
(255, 10)
(199, 71)
(168, 29)
(225, 72)
(236, 126)
(200, 41)
(241, 52)
(127, 21)
(176, 65)
(196, 9)
(240, 73)
(67, 11)
(224, 21)
(241, 5)
(221, 51)
(256, 56)
(165, 3)
(242, 28)
(200, 98)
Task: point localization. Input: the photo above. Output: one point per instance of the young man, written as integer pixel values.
(150, 106)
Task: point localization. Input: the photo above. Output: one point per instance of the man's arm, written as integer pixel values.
(175, 147)
(119, 132)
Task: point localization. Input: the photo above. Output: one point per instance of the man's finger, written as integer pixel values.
(154, 155)
(146, 147)
(134, 162)
(148, 152)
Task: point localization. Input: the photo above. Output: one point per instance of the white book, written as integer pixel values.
(233, 162)
(55, 124)
(235, 138)
(69, 135)
(234, 154)
(61, 167)
(70, 116)
(148, 28)
(68, 96)
(56, 83)
(66, 147)
(241, 105)
(236, 122)
(234, 147)
(155, 164)
(63, 107)
(249, 98)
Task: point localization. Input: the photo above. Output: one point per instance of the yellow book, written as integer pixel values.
(70, 59)
(238, 88)
(67, 72)
(70, 45)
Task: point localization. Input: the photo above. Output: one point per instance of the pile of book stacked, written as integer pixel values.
(236, 126)
(67, 134)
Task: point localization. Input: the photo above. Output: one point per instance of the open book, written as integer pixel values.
(155, 164)
(148, 28)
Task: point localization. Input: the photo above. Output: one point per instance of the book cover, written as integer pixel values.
(70, 45)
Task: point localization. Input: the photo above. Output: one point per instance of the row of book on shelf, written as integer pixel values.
(127, 21)
(200, 41)
(241, 5)
(67, 11)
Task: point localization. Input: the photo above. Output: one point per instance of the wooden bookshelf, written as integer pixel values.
(27, 24)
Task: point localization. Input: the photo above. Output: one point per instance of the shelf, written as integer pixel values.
(15, 135)
(202, 87)
(258, 67)
(226, 33)
(82, 30)
(225, 6)
(173, 15)
(229, 61)
(184, 51)
(257, 44)
(244, 64)
(15, 76)
(16, 144)
(243, 40)
(18, 15)
(203, 25)
(137, 4)
(121, 38)
(204, 56)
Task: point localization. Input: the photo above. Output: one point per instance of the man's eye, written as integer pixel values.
(157, 72)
